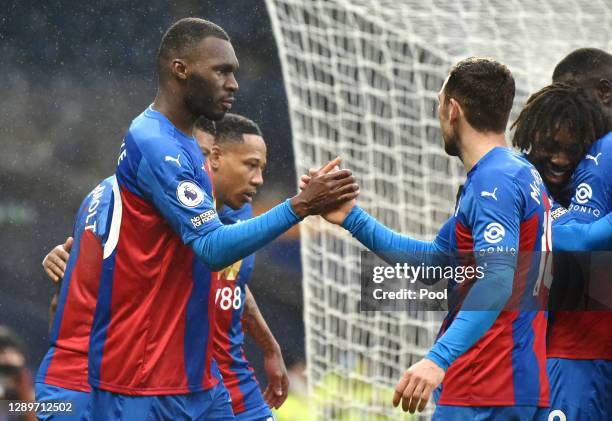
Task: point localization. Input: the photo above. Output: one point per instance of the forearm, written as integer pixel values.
(256, 326)
(387, 244)
(484, 302)
(583, 237)
(230, 243)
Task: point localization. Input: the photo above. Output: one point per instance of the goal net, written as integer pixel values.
(362, 78)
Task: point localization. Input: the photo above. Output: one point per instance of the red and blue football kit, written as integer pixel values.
(63, 372)
(580, 342)
(493, 350)
(238, 377)
(152, 328)
(503, 208)
(153, 324)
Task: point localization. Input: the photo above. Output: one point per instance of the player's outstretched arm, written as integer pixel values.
(392, 246)
(237, 241)
(583, 237)
(386, 243)
(274, 365)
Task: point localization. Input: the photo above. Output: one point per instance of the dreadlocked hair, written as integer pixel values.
(555, 107)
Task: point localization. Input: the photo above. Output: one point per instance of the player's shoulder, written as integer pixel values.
(599, 156)
(102, 191)
(154, 134)
(502, 168)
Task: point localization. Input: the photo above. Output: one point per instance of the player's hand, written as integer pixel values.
(417, 384)
(54, 263)
(339, 214)
(278, 382)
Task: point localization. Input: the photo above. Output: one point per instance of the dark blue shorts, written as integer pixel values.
(210, 405)
(489, 413)
(78, 400)
(580, 389)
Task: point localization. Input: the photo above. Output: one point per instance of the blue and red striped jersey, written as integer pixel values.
(95, 236)
(238, 376)
(503, 208)
(585, 335)
(154, 321)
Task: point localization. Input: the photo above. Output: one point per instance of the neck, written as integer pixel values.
(170, 103)
(475, 145)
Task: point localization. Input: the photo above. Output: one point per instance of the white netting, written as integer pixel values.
(361, 79)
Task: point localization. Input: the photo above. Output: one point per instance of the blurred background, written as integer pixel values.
(74, 76)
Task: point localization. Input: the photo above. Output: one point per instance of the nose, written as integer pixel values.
(231, 84)
(257, 179)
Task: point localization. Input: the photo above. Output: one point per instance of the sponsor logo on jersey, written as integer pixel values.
(594, 158)
(189, 194)
(494, 233)
(585, 209)
(557, 415)
(558, 213)
(583, 193)
(169, 158)
(489, 194)
(203, 218)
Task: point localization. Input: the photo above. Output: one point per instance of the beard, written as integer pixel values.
(451, 142)
(200, 100)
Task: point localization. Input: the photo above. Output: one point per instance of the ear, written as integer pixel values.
(604, 91)
(179, 68)
(455, 110)
(215, 157)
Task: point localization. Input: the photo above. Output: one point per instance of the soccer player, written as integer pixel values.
(554, 130)
(580, 343)
(490, 363)
(151, 341)
(237, 162)
(237, 156)
(62, 375)
(150, 351)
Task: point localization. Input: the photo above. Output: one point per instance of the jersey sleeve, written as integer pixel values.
(592, 181)
(169, 178)
(573, 236)
(494, 219)
(391, 246)
(495, 222)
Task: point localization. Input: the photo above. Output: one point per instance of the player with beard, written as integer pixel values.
(237, 163)
(489, 358)
(150, 351)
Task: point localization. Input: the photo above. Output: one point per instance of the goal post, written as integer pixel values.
(362, 79)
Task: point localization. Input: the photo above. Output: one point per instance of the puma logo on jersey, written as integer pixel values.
(490, 194)
(594, 158)
(170, 158)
